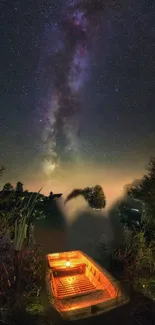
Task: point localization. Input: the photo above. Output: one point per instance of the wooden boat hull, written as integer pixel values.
(78, 287)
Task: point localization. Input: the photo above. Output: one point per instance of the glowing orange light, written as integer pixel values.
(68, 263)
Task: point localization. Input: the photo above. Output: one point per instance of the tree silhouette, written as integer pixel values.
(8, 187)
(93, 195)
(53, 196)
(19, 187)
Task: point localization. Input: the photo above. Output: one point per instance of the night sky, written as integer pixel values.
(77, 92)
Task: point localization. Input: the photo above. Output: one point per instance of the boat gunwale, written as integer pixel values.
(104, 306)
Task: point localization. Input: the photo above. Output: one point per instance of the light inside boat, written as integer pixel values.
(77, 283)
(68, 264)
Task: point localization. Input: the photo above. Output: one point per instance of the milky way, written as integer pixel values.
(69, 59)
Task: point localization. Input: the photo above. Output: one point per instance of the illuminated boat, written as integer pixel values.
(78, 287)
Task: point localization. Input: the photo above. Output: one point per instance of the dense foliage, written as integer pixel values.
(137, 255)
(93, 195)
(20, 259)
(137, 261)
(144, 192)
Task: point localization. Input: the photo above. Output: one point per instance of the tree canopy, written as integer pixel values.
(8, 187)
(19, 187)
(93, 195)
(144, 191)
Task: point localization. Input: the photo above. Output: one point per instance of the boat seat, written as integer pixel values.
(62, 271)
(74, 285)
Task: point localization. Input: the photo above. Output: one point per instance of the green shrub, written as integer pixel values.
(138, 261)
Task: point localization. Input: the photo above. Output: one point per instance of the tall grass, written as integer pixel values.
(20, 264)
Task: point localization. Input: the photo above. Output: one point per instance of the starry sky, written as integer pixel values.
(77, 92)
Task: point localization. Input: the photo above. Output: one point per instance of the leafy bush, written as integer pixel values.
(138, 261)
(11, 299)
